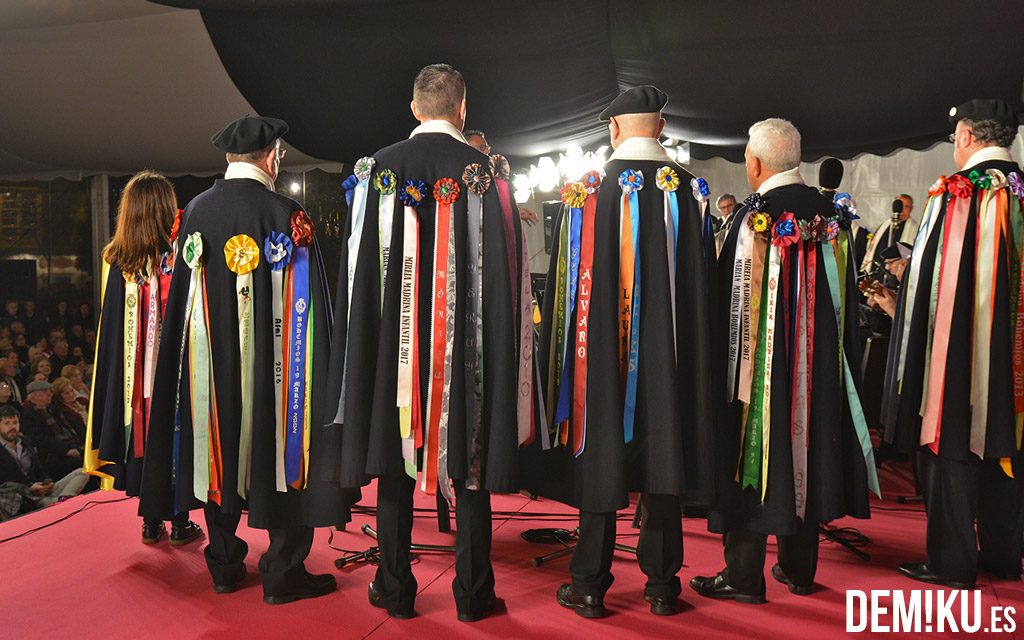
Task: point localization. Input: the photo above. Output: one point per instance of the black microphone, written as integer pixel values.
(897, 209)
(830, 174)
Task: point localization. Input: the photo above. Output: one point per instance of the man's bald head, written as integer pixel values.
(634, 125)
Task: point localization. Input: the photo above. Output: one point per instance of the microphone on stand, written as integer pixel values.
(830, 174)
(897, 209)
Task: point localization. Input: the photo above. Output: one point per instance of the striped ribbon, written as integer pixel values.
(296, 423)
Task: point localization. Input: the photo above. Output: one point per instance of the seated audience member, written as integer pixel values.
(59, 445)
(10, 314)
(21, 467)
(7, 397)
(84, 316)
(9, 375)
(73, 372)
(60, 357)
(35, 322)
(66, 408)
(42, 369)
(21, 346)
(61, 317)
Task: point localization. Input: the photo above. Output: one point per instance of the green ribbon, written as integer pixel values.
(860, 425)
(199, 354)
(560, 310)
(755, 415)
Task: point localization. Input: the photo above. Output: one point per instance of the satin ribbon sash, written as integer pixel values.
(990, 229)
(913, 274)
(671, 247)
(407, 355)
(154, 312)
(801, 385)
(751, 314)
(579, 415)
(199, 387)
(296, 422)
(556, 360)
(956, 224)
(739, 302)
(277, 308)
(308, 400)
(183, 341)
(246, 347)
(385, 222)
(1017, 262)
(132, 313)
(474, 330)
(633, 328)
(438, 349)
(856, 409)
(354, 239)
(524, 409)
(565, 388)
(505, 198)
(443, 480)
(754, 434)
(138, 403)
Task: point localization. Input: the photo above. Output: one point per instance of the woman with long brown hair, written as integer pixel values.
(136, 275)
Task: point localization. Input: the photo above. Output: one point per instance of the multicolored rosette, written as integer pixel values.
(846, 208)
(385, 182)
(831, 228)
(277, 251)
(1016, 183)
(978, 179)
(363, 167)
(242, 255)
(591, 181)
(938, 187)
(754, 202)
(500, 167)
(299, 352)
(760, 222)
(667, 179)
(574, 194)
(785, 231)
(818, 227)
(805, 230)
(476, 179)
(413, 193)
(166, 263)
(631, 181)
(192, 252)
(960, 186)
(446, 191)
(700, 189)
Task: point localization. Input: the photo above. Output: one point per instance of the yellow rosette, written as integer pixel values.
(242, 255)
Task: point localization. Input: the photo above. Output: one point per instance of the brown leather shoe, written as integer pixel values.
(585, 606)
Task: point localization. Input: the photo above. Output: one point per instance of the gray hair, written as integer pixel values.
(725, 196)
(990, 131)
(775, 142)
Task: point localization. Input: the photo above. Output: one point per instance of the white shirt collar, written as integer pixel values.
(640, 149)
(986, 154)
(242, 170)
(781, 179)
(439, 126)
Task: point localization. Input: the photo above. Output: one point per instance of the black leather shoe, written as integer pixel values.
(310, 588)
(153, 533)
(795, 589)
(919, 571)
(716, 587)
(473, 616)
(1002, 573)
(376, 599)
(229, 587)
(185, 534)
(586, 606)
(661, 606)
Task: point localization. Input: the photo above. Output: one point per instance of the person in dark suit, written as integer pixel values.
(60, 446)
(460, 249)
(20, 464)
(955, 357)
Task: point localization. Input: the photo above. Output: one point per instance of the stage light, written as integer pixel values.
(521, 182)
(548, 174)
(522, 195)
(534, 176)
(295, 187)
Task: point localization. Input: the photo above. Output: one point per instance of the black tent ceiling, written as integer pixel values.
(855, 77)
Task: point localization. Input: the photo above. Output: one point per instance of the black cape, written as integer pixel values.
(229, 208)
(370, 442)
(901, 412)
(672, 449)
(837, 476)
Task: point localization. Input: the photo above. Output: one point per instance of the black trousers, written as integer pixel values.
(474, 575)
(744, 557)
(281, 566)
(659, 550)
(956, 494)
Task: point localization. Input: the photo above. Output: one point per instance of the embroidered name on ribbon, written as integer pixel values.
(298, 341)
(477, 181)
(242, 255)
(277, 250)
(412, 195)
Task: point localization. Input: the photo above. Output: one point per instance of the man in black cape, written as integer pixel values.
(629, 408)
(955, 375)
(790, 454)
(395, 236)
(240, 225)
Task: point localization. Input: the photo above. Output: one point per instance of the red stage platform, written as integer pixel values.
(89, 576)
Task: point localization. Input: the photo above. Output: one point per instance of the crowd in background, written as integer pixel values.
(46, 360)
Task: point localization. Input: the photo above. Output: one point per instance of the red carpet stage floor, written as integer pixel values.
(90, 577)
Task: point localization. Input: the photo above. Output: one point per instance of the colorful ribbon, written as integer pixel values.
(412, 196)
(579, 421)
(477, 181)
(242, 255)
(277, 250)
(630, 182)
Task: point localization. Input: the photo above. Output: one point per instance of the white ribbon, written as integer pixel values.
(131, 336)
(277, 305)
(243, 286)
(385, 220)
(739, 307)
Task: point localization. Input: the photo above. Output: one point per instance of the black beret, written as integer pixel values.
(897, 251)
(249, 134)
(976, 109)
(643, 99)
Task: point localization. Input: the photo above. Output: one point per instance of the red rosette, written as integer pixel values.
(960, 186)
(302, 229)
(176, 226)
(591, 181)
(446, 191)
